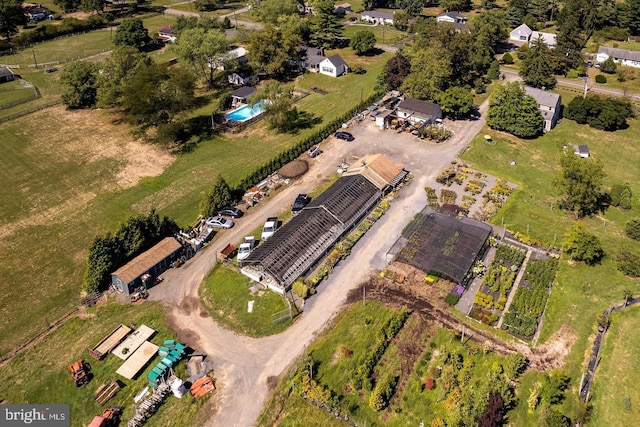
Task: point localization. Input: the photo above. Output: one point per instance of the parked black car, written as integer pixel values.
(300, 202)
(230, 211)
(344, 136)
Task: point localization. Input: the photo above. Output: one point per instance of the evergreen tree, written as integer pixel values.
(325, 26)
(536, 70)
(609, 66)
(218, 197)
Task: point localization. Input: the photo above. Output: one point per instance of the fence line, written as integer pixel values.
(86, 302)
(30, 110)
(589, 375)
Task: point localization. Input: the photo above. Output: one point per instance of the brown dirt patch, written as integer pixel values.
(294, 169)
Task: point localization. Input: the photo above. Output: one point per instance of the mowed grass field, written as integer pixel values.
(618, 373)
(580, 292)
(69, 176)
(40, 373)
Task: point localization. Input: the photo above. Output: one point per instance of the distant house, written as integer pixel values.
(521, 33)
(375, 17)
(581, 150)
(418, 112)
(333, 66)
(547, 38)
(458, 20)
(621, 56)
(6, 75)
(342, 8)
(305, 8)
(165, 34)
(311, 57)
(549, 103)
(240, 79)
(240, 95)
(226, 61)
(36, 12)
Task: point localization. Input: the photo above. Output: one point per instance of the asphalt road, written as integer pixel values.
(244, 364)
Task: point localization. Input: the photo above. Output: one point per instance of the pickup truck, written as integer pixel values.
(270, 227)
(247, 245)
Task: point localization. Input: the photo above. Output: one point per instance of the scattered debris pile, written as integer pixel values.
(255, 194)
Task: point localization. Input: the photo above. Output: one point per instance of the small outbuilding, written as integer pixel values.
(418, 112)
(240, 95)
(333, 66)
(581, 150)
(378, 18)
(155, 261)
(6, 75)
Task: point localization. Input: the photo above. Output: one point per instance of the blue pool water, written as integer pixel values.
(245, 112)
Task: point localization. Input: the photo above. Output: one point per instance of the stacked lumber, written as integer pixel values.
(202, 386)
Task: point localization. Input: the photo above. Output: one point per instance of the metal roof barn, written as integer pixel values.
(154, 261)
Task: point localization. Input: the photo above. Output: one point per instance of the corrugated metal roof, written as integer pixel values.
(145, 261)
(377, 168)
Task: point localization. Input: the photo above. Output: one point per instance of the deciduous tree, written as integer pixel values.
(11, 16)
(202, 51)
(396, 70)
(363, 42)
(456, 102)
(513, 111)
(269, 11)
(580, 181)
(582, 246)
(457, 5)
(272, 49)
(412, 7)
(80, 79)
(131, 32)
(280, 112)
(115, 71)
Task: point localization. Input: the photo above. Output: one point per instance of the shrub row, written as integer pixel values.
(67, 26)
(383, 392)
(303, 145)
(361, 374)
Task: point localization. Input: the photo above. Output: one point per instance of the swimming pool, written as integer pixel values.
(245, 112)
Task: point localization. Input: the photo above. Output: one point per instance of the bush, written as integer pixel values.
(632, 228)
(628, 263)
(608, 114)
(507, 58)
(621, 195)
(601, 79)
(452, 299)
(429, 383)
(609, 66)
(300, 289)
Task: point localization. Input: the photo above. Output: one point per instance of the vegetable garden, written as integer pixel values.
(531, 297)
(496, 283)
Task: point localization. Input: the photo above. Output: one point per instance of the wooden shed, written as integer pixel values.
(154, 261)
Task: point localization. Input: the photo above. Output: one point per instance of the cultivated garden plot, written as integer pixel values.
(531, 297)
(498, 280)
(475, 194)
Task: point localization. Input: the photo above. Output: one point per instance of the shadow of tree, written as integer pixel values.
(303, 121)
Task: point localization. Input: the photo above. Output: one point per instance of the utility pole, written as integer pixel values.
(586, 79)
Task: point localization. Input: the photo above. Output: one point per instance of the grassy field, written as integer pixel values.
(580, 292)
(40, 374)
(13, 92)
(226, 296)
(385, 34)
(69, 176)
(412, 355)
(617, 374)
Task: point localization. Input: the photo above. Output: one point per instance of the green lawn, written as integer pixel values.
(40, 375)
(617, 374)
(13, 92)
(385, 34)
(59, 189)
(580, 292)
(226, 296)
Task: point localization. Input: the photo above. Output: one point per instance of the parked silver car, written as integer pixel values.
(219, 222)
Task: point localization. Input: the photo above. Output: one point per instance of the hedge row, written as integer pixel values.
(303, 145)
(361, 374)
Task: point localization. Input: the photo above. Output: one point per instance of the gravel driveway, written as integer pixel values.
(244, 364)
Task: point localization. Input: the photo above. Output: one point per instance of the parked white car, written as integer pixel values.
(219, 222)
(270, 227)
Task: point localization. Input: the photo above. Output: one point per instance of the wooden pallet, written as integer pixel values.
(106, 392)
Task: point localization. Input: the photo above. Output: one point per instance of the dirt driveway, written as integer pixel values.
(244, 364)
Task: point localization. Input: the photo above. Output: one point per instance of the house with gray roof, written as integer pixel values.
(418, 112)
(6, 75)
(458, 20)
(333, 66)
(521, 33)
(547, 38)
(549, 103)
(375, 17)
(621, 56)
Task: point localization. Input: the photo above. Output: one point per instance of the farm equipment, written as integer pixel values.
(110, 418)
(140, 293)
(79, 370)
(202, 386)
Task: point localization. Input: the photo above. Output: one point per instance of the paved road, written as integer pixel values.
(231, 16)
(244, 364)
(513, 75)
